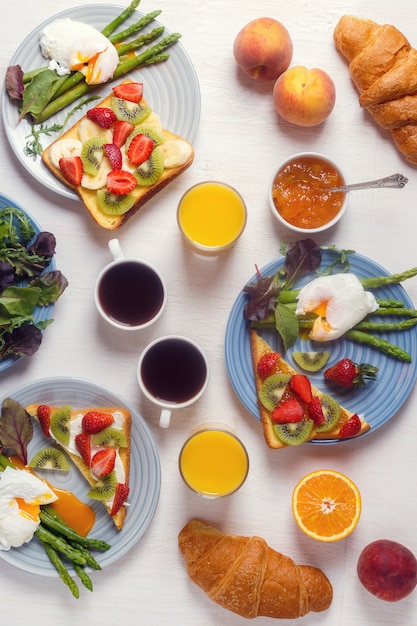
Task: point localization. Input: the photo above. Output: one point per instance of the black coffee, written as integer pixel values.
(131, 293)
(173, 370)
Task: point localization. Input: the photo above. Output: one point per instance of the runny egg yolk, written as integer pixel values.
(75, 513)
(31, 511)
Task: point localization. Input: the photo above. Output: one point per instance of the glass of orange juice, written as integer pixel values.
(211, 216)
(213, 462)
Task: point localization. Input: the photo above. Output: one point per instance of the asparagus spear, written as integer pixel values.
(124, 15)
(143, 40)
(55, 523)
(377, 342)
(134, 28)
(61, 569)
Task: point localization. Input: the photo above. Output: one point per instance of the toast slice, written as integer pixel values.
(72, 421)
(259, 347)
(175, 154)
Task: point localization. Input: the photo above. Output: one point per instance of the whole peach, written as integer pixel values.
(303, 96)
(387, 569)
(263, 49)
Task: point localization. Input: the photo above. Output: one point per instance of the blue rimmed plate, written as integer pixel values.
(40, 313)
(171, 88)
(377, 401)
(145, 473)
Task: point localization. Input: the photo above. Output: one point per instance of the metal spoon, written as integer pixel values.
(396, 181)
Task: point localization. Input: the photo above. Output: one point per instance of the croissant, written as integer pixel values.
(383, 67)
(246, 576)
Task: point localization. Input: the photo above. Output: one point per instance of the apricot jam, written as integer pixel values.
(300, 192)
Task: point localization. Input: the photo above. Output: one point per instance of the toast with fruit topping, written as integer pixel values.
(97, 440)
(118, 156)
(291, 408)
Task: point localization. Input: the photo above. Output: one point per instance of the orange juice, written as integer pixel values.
(211, 215)
(213, 463)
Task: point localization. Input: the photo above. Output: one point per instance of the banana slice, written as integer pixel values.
(87, 129)
(100, 179)
(175, 152)
(64, 148)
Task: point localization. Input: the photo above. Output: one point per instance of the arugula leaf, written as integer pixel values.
(16, 429)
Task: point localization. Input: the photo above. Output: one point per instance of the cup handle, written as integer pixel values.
(165, 418)
(115, 249)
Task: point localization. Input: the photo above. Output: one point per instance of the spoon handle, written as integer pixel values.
(395, 181)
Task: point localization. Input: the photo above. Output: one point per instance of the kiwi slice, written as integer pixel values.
(148, 172)
(110, 437)
(114, 204)
(50, 459)
(292, 434)
(151, 132)
(273, 389)
(311, 361)
(104, 488)
(132, 112)
(92, 154)
(331, 411)
(59, 424)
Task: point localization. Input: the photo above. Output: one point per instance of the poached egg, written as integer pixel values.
(21, 495)
(75, 46)
(339, 301)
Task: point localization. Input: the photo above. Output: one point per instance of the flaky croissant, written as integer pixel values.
(383, 66)
(246, 576)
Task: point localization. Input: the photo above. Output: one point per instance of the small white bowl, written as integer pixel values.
(342, 196)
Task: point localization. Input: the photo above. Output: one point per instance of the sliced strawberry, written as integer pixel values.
(44, 417)
(140, 149)
(114, 155)
(129, 91)
(103, 462)
(315, 411)
(289, 411)
(120, 497)
(121, 132)
(102, 116)
(301, 386)
(351, 428)
(121, 182)
(267, 363)
(72, 169)
(83, 445)
(94, 421)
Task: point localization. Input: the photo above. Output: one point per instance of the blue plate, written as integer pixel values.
(171, 88)
(145, 473)
(41, 313)
(377, 401)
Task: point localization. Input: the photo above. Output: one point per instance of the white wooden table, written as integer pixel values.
(240, 140)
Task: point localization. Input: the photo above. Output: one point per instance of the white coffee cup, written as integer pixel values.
(129, 293)
(173, 373)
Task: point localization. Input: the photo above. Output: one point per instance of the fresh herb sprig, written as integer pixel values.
(272, 300)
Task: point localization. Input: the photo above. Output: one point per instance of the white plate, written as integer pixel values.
(145, 473)
(171, 88)
(41, 313)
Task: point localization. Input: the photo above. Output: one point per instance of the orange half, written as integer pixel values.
(326, 505)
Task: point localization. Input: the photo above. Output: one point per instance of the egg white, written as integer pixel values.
(75, 46)
(340, 302)
(16, 525)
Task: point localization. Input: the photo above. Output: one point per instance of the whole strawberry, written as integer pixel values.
(347, 373)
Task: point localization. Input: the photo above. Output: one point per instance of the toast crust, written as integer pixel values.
(259, 347)
(142, 194)
(124, 452)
